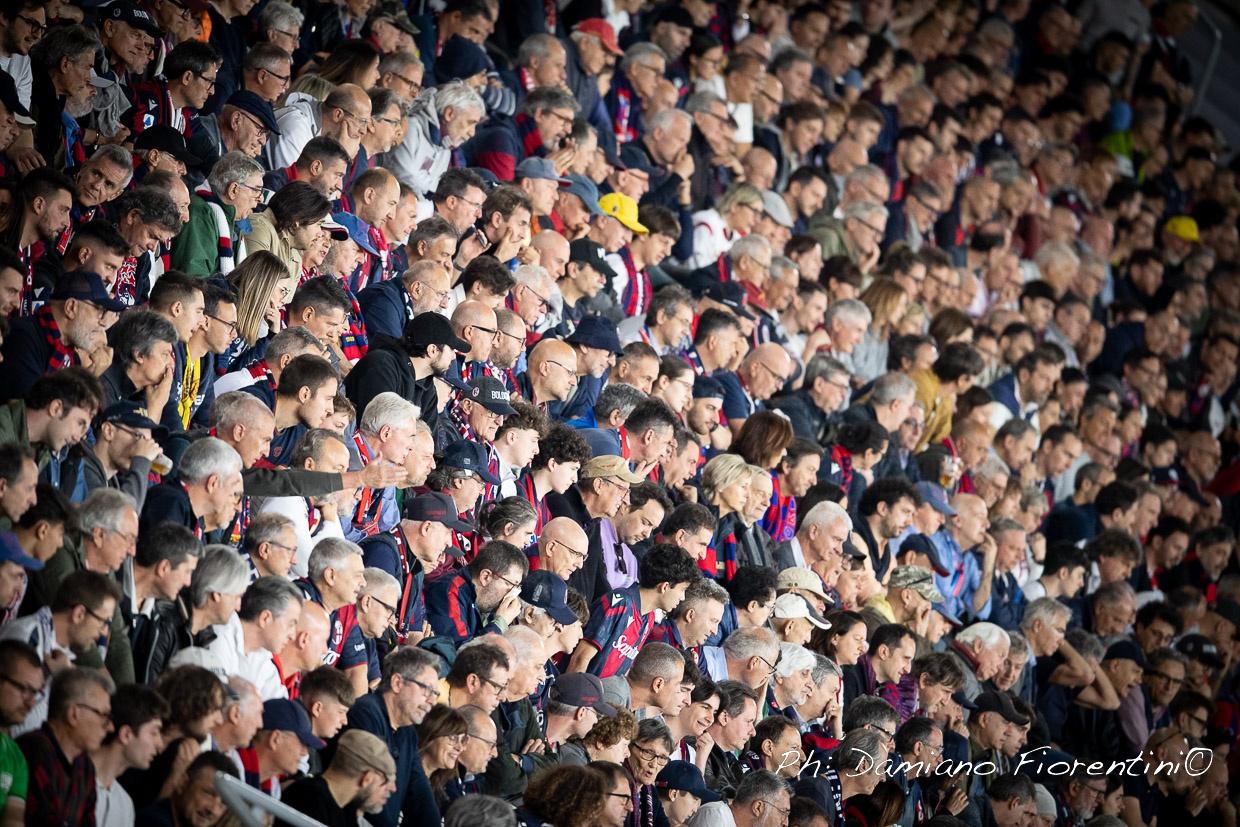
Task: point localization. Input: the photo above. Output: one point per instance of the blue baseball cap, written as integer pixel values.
(539, 168)
(88, 287)
(934, 494)
(251, 103)
(435, 507)
(454, 378)
(596, 331)
(358, 230)
(11, 551)
(547, 590)
(585, 189)
(283, 715)
(469, 456)
(921, 544)
(133, 415)
(683, 776)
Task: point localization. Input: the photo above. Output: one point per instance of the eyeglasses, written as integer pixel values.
(210, 81)
(290, 35)
(769, 665)
(36, 28)
(878, 728)
(104, 620)
(104, 714)
(391, 610)
(780, 378)
(262, 128)
(650, 755)
(562, 365)
(1164, 676)
(494, 333)
(610, 481)
(499, 687)
(279, 77)
(388, 121)
(431, 691)
(875, 228)
(499, 576)
(258, 190)
(184, 13)
(777, 808)
(354, 117)
(232, 326)
(486, 741)
(26, 689)
(281, 545)
(414, 86)
(542, 302)
(579, 555)
(520, 339)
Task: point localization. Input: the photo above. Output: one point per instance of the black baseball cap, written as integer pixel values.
(436, 508)
(581, 689)
(123, 11)
(1199, 647)
(8, 96)
(586, 251)
(681, 775)
(431, 328)
(86, 286)
(166, 139)
(250, 102)
(1001, 702)
(490, 393)
(283, 715)
(596, 331)
(132, 415)
(469, 456)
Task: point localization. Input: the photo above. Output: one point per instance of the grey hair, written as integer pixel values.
(793, 657)
(1086, 643)
(991, 468)
(378, 580)
(702, 101)
(387, 409)
(891, 387)
(209, 457)
(116, 155)
(863, 210)
(823, 366)
(221, 570)
(237, 408)
(1045, 609)
(531, 275)
(784, 267)
(264, 528)
(641, 53)
(1004, 524)
(268, 594)
(1054, 252)
(458, 95)
(702, 590)
(824, 668)
(618, 397)
(473, 810)
(750, 642)
(545, 98)
(330, 553)
(827, 513)
(759, 785)
(63, 43)
(526, 643)
(1109, 594)
(657, 660)
(869, 710)
(292, 340)
(104, 508)
(859, 749)
(280, 15)
(751, 245)
(1017, 644)
(653, 729)
(663, 120)
(407, 661)
(863, 173)
(989, 634)
(233, 168)
(853, 310)
(536, 46)
(242, 692)
(398, 61)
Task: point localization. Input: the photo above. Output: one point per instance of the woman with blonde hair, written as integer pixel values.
(725, 485)
(735, 215)
(888, 301)
(263, 287)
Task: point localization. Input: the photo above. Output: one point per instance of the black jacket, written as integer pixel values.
(385, 367)
(159, 636)
(591, 578)
(723, 772)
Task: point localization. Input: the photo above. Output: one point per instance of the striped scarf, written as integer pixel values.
(59, 355)
(228, 248)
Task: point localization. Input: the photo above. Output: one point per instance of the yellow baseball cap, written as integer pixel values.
(1184, 228)
(622, 208)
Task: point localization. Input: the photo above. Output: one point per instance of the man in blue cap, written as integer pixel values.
(576, 205)
(14, 563)
(538, 179)
(597, 345)
(464, 474)
(243, 125)
(682, 790)
(126, 443)
(278, 748)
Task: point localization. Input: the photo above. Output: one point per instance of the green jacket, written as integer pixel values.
(13, 429)
(196, 249)
(828, 231)
(42, 587)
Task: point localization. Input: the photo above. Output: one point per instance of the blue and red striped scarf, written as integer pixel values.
(841, 457)
(780, 520)
(637, 288)
(531, 139)
(60, 355)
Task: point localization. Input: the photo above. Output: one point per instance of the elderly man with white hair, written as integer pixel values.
(793, 679)
(857, 235)
(206, 495)
(981, 650)
(819, 542)
(377, 606)
(846, 322)
(384, 434)
(444, 117)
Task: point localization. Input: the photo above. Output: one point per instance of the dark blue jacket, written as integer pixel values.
(1003, 390)
(413, 803)
(452, 609)
(385, 308)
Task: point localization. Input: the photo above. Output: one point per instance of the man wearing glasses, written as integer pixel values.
(475, 323)
(480, 599)
(79, 615)
(407, 691)
(761, 375)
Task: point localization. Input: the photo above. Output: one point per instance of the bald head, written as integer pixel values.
(766, 369)
(475, 322)
(305, 651)
(760, 167)
(553, 370)
(846, 155)
(562, 530)
(552, 252)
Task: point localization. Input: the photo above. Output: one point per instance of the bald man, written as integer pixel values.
(562, 547)
(475, 323)
(307, 648)
(845, 156)
(551, 375)
(762, 373)
(760, 167)
(552, 251)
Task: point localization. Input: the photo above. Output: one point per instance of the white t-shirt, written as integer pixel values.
(256, 667)
(113, 806)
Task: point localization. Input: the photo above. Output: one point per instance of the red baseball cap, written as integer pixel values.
(601, 29)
